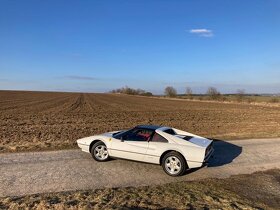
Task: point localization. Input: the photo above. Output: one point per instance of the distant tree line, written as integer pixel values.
(212, 93)
(131, 91)
(170, 91)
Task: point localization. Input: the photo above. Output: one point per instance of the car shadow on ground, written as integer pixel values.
(224, 154)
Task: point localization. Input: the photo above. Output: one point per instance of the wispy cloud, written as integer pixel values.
(202, 32)
(75, 77)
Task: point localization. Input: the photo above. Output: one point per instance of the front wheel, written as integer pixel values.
(174, 164)
(99, 152)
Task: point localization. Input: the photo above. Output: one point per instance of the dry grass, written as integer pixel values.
(44, 121)
(237, 192)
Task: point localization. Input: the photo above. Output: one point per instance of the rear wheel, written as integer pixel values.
(99, 152)
(174, 164)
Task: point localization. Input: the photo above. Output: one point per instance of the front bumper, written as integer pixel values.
(84, 147)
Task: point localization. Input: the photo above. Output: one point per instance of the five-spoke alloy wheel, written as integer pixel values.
(99, 152)
(174, 164)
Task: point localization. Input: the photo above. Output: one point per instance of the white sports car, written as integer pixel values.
(174, 149)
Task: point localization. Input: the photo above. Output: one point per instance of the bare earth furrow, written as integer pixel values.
(44, 120)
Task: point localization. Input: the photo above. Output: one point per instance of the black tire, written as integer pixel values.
(98, 157)
(178, 164)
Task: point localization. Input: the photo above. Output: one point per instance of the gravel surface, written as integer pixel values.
(54, 171)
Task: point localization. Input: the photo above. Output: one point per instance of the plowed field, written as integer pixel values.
(45, 120)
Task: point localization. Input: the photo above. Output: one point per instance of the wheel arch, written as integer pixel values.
(172, 150)
(93, 142)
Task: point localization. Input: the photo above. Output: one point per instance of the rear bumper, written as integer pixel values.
(195, 164)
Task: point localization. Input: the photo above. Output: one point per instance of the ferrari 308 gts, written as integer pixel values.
(175, 150)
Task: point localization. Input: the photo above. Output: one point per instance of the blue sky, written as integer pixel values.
(95, 46)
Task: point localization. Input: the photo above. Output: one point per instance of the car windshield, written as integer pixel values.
(118, 135)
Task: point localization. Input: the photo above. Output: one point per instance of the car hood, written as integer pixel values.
(110, 134)
(88, 140)
(85, 140)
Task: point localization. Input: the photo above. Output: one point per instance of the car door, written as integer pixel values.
(132, 145)
(157, 145)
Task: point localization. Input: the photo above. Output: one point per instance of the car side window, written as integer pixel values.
(138, 135)
(158, 138)
(170, 131)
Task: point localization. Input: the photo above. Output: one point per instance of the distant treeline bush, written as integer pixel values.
(131, 91)
(212, 93)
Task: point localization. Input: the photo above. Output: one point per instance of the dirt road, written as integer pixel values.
(37, 172)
